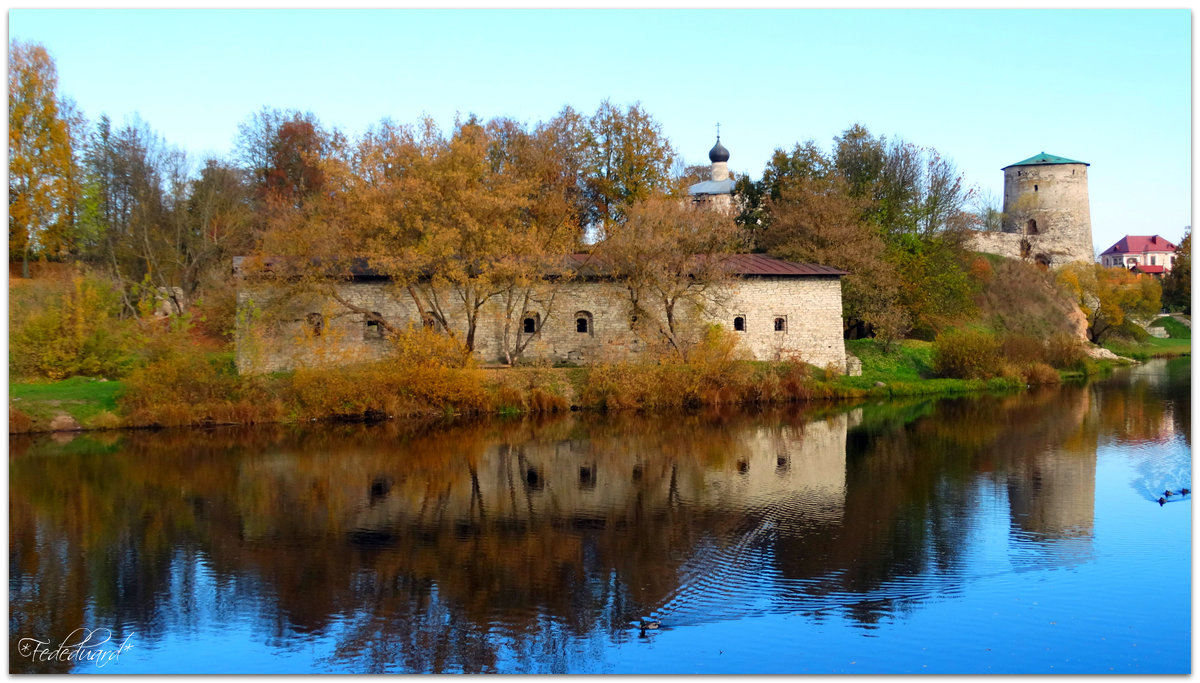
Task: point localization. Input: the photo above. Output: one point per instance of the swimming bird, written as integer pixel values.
(1184, 492)
(1168, 493)
(649, 625)
(1162, 501)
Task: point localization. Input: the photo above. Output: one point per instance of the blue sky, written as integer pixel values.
(985, 88)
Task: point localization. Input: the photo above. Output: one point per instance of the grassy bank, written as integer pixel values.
(92, 403)
(207, 390)
(1177, 343)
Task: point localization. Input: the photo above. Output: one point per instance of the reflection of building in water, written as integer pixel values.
(600, 482)
(1053, 495)
(1052, 490)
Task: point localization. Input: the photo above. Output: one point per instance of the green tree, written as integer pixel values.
(39, 157)
(1177, 285)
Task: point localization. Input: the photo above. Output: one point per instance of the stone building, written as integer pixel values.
(1047, 218)
(779, 309)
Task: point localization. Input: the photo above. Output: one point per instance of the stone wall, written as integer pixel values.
(810, 309)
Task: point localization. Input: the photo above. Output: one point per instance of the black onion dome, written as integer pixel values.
(718, 152)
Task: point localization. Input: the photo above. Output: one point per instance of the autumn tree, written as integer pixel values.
(670, 262)
(39, 157)
(285, 154)
(454, 222)
(1109, 297)
(626, 159)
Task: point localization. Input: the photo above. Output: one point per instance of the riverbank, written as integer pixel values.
(210, 393)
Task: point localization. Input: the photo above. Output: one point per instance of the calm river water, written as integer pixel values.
(996, 534)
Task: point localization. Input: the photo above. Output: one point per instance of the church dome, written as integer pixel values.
(718, 152)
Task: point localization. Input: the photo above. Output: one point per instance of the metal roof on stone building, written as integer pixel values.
(585, 265)
(744, 265)
(712, 187)
(1044, 159)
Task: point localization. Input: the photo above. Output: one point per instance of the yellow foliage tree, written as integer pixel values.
(1109, 296)
(39, 156)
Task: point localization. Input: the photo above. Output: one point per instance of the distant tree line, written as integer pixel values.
(485, 209)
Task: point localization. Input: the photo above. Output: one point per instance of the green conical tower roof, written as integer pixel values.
(1044, 159)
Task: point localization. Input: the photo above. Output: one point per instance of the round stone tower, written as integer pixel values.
(1046, 202)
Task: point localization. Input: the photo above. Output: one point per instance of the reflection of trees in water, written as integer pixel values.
(1151, 418)
(433, 549)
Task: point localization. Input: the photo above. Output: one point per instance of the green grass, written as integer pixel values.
(1152, 347)
(1174, 328)
(907, 361)
(83, 398)
(905, 370)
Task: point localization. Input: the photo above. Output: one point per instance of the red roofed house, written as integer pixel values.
(1146, 254)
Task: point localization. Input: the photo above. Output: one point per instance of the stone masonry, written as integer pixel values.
(809, 310)
(1047, 218)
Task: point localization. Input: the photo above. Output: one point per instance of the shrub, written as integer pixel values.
(1022, 348)
(1040, 373)
(18, 421)
(966, 354)
(415, 346)
(61, 330)
(1065, 351)
(386, 387)
(104, 420)
(183, 389)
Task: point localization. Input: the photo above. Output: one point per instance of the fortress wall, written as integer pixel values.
(283, 339)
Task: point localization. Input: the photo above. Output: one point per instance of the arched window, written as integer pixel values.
(739, 323)
(372, 329)
(583, 322)
(781, 323)
(1031, 227)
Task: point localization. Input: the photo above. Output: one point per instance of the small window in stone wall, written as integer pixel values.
(373, 329)
(739, 323)
(781, 323)
(316, 323)
(529, 324)
(583, 322)
(1035, 188)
